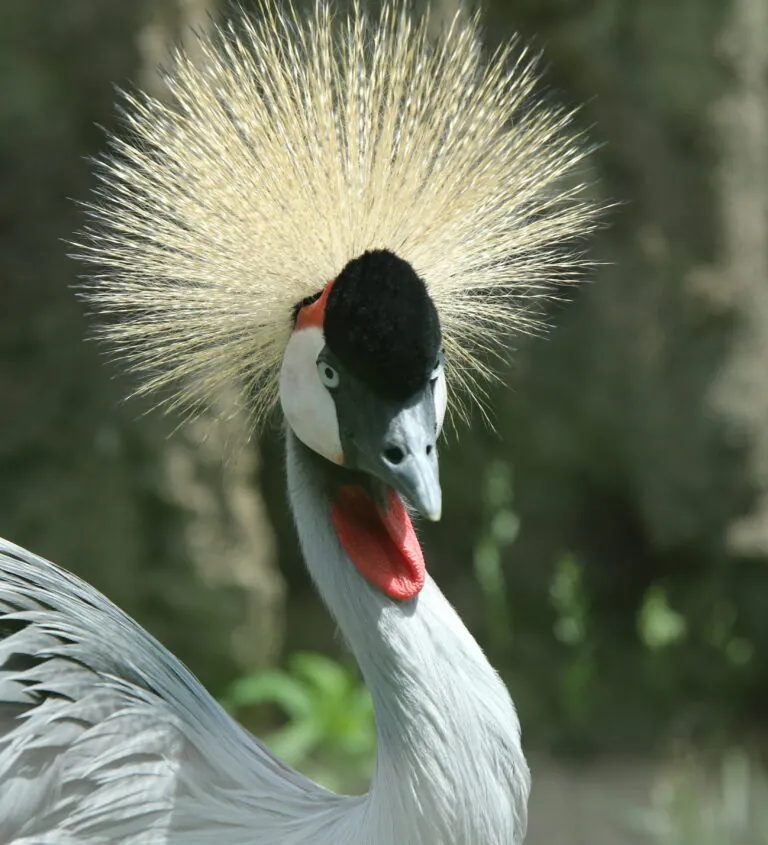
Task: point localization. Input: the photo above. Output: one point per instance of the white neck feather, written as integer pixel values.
(449, 769)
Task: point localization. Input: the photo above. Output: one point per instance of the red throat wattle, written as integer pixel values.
(380, 542)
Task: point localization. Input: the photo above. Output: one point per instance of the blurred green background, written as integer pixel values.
(607, 543)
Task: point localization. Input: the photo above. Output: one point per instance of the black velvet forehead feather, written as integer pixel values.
(382, 325)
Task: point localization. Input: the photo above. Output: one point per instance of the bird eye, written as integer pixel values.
(439, 363)
(328, 375)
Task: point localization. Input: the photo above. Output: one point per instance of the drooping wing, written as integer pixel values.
(105, 737)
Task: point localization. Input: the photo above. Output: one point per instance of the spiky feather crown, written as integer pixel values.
(295, 146)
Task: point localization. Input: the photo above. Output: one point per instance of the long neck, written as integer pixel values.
(449, 767)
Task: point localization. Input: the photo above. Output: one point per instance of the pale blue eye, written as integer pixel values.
(328, 375)
(439, 364)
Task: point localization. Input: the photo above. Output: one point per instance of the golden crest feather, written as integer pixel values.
(295, 145)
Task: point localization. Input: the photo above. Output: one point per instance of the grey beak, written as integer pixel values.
(408, 461)
(395, 443)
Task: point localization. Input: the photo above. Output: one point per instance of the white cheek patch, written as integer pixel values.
(441, 400)
(307, 404)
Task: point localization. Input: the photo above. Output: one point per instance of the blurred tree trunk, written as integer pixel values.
(740, 282)
(170, 526)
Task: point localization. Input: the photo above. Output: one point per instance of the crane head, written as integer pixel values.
(362, 384)
(362, 380)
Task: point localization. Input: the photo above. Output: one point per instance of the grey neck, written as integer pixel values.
(449, 769)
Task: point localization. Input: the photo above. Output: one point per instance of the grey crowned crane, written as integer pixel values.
(342, 217)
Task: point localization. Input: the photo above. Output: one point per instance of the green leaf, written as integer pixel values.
(660, 626)
(271, 688)
(326, 676)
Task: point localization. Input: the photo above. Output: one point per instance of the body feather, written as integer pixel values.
(106, 737)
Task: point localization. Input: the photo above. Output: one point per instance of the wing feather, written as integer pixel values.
(106, 737)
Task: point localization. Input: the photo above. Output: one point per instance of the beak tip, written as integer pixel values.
(430, 503)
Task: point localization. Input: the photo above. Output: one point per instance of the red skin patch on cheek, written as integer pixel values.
(314, 313)
(381, 543)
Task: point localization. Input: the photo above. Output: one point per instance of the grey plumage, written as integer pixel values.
(104, 735)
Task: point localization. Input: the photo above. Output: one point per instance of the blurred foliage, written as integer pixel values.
(690, 807)
(501, 529)
(329, 730)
